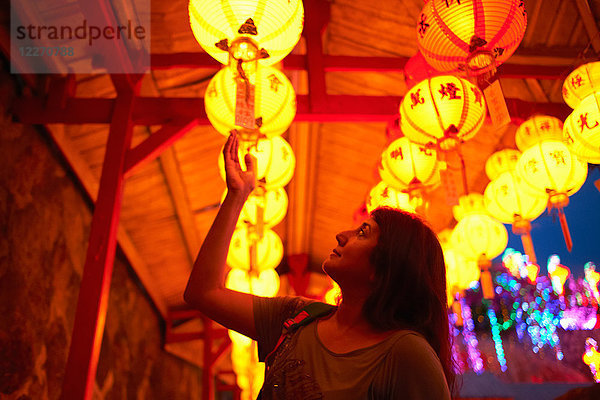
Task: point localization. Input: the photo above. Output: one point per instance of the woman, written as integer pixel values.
(387, 339)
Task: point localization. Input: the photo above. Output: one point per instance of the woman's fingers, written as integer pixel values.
(250, 161)
(235, 148)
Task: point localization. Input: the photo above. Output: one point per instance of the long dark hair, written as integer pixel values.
(410, 283)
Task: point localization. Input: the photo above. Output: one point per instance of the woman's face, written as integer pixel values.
(350, 260)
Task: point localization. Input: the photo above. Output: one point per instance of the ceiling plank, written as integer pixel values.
(91, 185)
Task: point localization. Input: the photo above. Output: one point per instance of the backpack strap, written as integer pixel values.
(305, 316)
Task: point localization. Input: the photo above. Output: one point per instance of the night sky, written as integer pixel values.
(583, 216)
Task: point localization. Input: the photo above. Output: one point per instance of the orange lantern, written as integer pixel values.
(500, 162)
(384, 196)
(582, 129)
(536, 129)
(410, 167)
(454, 33)
(248, 251)
(507, 200)
(275, 161)
(550, 169)
(270, 28)
(442, 111)
(274, 102)
(478, 236)
(581, 83)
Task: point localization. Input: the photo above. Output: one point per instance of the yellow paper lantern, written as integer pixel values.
(581, 83)
(582, 129)
(271, 205)
(275, 161)
(477, 233)
(461, 272)
(536, 129)
(407, 166)
(274, 102)
(248, 251)
(550, 169)
(450, 32)
(275, 26)
(507, 200)
(478, 236)
(442, 111)
(381, 195)
(501, 161)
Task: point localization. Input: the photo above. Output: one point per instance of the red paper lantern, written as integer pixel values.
(452, 33)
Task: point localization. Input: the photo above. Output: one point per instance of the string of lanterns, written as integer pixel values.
(259, 102)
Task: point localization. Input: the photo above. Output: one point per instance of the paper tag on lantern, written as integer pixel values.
(452, 177)
(244, 105)
(496, 104)
(450, 180)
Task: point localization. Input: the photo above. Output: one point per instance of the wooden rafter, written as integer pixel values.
(589, 21)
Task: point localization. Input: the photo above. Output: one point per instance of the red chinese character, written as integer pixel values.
(425, 150)
(274, 82)
(478, 96)
(450, 90)
(449, 2)
(545, 126)
(532, 165)
(397, 153)
(559, 157)
(423, 25)
(416, 99)
(577, 81)
(583, 123)
(385, 194)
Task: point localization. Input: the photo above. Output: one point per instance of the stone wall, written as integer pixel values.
(44, 225)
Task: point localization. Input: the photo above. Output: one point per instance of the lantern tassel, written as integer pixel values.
(528, 247)
(565, 229)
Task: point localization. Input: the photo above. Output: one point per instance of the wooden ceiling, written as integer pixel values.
(169, 203)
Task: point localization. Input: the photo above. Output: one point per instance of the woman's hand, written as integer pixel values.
(238, 181)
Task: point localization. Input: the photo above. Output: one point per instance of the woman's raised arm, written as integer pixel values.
(205, 289)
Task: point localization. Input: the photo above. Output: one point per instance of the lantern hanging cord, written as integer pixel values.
(240, 71)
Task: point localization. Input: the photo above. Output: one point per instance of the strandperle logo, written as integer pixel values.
(83, 31)
(86, 38)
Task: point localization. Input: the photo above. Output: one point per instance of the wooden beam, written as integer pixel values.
(536, 90)
(159, 141)
(92, 303)
(90, 184)
(179, 110)
(533, 63)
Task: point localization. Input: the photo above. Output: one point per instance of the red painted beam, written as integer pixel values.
(160, 140)
(180, 110)
(331, 63)
(92, 303)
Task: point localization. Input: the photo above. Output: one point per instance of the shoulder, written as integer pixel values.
(413, 368)
(410, 345)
